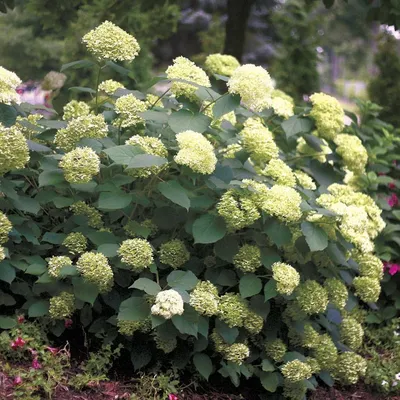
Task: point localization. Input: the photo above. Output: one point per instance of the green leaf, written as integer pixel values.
(8, 115)
(227, 248)
(295, 125)
(36, 269)
(123, 155)
(114, 200)
(99, 238)
(270, 381)
(184, 120)
(185, 280)
(7, 322)
(39, 148)
(209, 228)
(62, 202)
(50, 178)
(134, 309)
(146, 160)
(249, 285)
(327, 378)
(228, 334)
(39, 309)
(279, 233)
(77, 64)
(270, 290)
(6, 299)
(82, 89)
(267, 366)
(147, 285)
(316, 237)
(7, 272)
(85, 291)
(225, 105)
(140, 356)
(314, 142)
(173, 191)
(54, 238)
(155, 116)
(269, 257)
(258, 305)
(118, 68)
(188, 322)
(108, 249)
(26, 204)
(203, 364)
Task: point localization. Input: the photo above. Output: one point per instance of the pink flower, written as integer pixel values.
(17, 380)
(394, 268)
(381, 174)
(172, 397)
(36, 364)
(21, 319)
(68, 323)
(393, 200)
(392, 185)
(18, 342)
(52, 350)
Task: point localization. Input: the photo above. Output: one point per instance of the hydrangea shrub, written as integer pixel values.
(218, 228)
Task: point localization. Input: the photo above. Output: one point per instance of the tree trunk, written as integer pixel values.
(238, 15)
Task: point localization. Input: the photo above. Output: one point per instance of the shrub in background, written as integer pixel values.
(214, 228)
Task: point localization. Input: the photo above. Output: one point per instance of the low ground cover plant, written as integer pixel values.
(208, 229)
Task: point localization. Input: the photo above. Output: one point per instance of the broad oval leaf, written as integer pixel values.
(209, 228)
(173, 191)
(249, 285)
(203, 364)
(184, 120)
(147, 285)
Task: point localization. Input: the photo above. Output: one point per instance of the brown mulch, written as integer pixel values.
(359, 392)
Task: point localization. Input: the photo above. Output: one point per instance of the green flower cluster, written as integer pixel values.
(174, 253)
(236, 352)
(276, 349)
(5, 228)
(248, 258)
(222, 64)
(56, 264)
(75, 242)
(303, 148)
(62, 306)
(294, 390)
(128, 108)
(204, 298)
(95, 269)
(282, 104)
(167, 345)
(196, 152)
(8, 83)
(110, 86)
(137, 253)
(280, 172)
(349, 368)
(168, 303)
(88, 126)
(296, 370)
(128, 328)
(286, 277)
(75, 109)
(2, 253)
(367, 289)
(370, 265)
(312, 297)
(325, 352)
(208, 109)
(352, 151)
(351, 333)
(337, 292)
(110, 42)
(93, 215)
(304, 180)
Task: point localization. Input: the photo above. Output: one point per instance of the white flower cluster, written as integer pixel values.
(168, 303)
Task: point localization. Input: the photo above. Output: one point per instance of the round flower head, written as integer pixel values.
(369, 264)
(109, 86)
(325, 352)
(231, 150)
(312, 297)
(352, 151)
(174, 253)
(88, 126)
(62, 306)
(310, 337)
(351, 333)
(128, 328)
(5, 228)
(236, 353)
(313, 364)
(149, 145)
(208, 109)
(248, 258)
(304, 180)
(75, 109)
(282, 104)
(2, 254)
(367, 289)
(349, 368)
(168, 303)
(337, 292)
(93, 215)
(152, 100)
(238, 210)
(232, 309)
(196, 152)
(8, 83)
(80, 165)
(75, 242)
(276, 349)
(204, 298)
(280, 172)
(14, 151)
(128, 108)
(294, 390)
(56, 264)
(187, 70)
(95, 269)
(167, 345)
(109, 42)
(328, 115)
(253, 322)
(253, 84)
(137, 253)
(53, 80)
(304, 149)
(222, 64)
(296, 370)
(286, 277)
(283, 203)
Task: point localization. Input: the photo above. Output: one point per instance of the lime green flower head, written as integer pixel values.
(109, 42)
(80, 165)
(337, 292)
(286, 277)
(280, 172)
(304, 180)
(222, 64)
(370, 265)
(2, 254)
(186, 70)
(208, 109)
(88, 126)
(312, 297)
(352, 151)
(276, 349)
(367, 289)
(282, 104)
(350, 368)
(62, 306)
(14, 151)
(95, 269)
(152, 100)
(304, 149)
(168, 303)
(196, 152)
(328, 115)
(325, 352)
(93, 215)
(128, 108)
(253, 322)
(313, 364)
(75, 109)
(248, 258)
(128, 328)
(231, 150)
(351, 333)
(294, 390)
(8, 83)
(56, 264)
(5, 228)
(167, 345)
(310, 337)
(137, 253)
(232, 309)
(204, 298)
(236, 353)
(75, 242)
(253, 84)
(296, 370)
(174, 253)
(110, 86)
